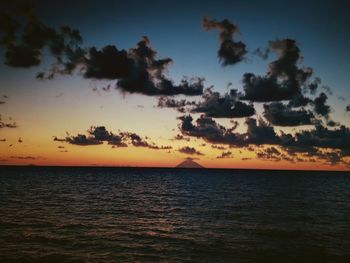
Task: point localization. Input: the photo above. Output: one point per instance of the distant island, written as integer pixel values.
(189, 163)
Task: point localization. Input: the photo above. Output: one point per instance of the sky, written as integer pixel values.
(228, 84)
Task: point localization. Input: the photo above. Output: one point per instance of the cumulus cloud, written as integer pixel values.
(215, 105)
(136, 70)
(279, 114)
(324, 137)
(207, 129)
(190, 150)
(212, 104)
(230, 51)
(284, 78)
(107, 63)
(147, 74)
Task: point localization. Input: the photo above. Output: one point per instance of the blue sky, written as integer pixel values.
(174, 27)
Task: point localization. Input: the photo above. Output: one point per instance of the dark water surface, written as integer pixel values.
(56, 214)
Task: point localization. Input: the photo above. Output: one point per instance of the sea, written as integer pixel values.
(110, 214)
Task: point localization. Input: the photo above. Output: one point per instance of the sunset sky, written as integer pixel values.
(231, 84)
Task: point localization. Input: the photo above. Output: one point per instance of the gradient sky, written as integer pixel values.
(43, 109)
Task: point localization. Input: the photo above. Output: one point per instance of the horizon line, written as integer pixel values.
(172, 167)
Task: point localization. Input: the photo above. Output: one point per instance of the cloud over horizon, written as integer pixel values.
(97, 135)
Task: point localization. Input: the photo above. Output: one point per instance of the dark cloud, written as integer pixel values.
(107, 63)
(281, 115)
(138, 141)
(7, 124)
(327, 89)
(260, 132)
(97, 135)
(320, 106)
(263, 53)
(270, 152)
(190, 150)
(22, 56)
(61, 147)
(313, 86)
(207, 129)
(147, 75)
(24, 38)
(219, 147)
(347, 108)
(323, 137)
(224, 155)
(2, 102)
(215, 105)
(230, 51)
(100, 133)
(180, 137)
(302, 154)
(179, 105)
(136, 70)
(82, 140)
(299, 101)
(310, 143)
(3, 140)
(284, 78)
(58, 139)
(24, 157)
(332, 123)
(20, 140)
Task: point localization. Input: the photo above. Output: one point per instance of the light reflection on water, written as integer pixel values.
(165, 215)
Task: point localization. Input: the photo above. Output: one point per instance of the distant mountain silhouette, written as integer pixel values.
(189, 163)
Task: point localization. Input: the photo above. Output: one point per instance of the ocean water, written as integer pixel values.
(57, 214)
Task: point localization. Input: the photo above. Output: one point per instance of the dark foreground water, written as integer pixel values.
(165, 215)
